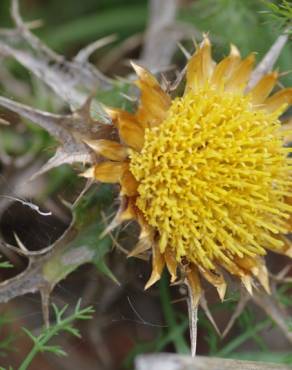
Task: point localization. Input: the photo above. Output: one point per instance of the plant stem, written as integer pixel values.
(60, 325)
(39, 345)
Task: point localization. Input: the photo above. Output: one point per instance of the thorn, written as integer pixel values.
(205, 41)
(192, 303)
(132, 99)
(221, 289)
(184, 51)
(244, 298)
(89, 173)
(79, 197)
(115, 242)
(155, 276)
(234, 51)
(140, 71)
(84, 54)
(205, 307)
(4, 122)
(66, 203)
(20, 244)
(195, 43)
(284, 73)
(111, 112)
(247, 282)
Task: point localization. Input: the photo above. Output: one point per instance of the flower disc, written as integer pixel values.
(212, 177)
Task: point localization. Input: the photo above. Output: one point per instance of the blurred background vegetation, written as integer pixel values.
(69, 26)
(128, 321)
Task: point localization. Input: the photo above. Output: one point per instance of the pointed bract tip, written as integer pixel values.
(4, 122)
(93, 144)
(221, 289)
(261, 273)
(139, 70)
(206, 41)
(20, 243)
(153, 279)
(275, 74)
(289, 252)
(247, 282)
(251, 57)
(173, 278)
(104, 234)
(111, 112)
(266, 285)
(89, 173)
(234, 51)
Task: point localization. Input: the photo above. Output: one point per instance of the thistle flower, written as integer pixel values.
(205, 175)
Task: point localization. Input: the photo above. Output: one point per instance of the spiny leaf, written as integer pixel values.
(71, 80)
(69, 130)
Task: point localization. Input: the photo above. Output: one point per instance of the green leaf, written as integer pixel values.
(123, 21)
(30, 335)
(56, 350)
(247, 334)
(75, 332)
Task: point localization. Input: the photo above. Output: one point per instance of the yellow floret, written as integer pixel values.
(212, 178)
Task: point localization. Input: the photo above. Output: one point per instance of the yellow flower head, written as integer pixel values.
(206, 174)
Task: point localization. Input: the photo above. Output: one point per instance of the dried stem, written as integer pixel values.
(168, 361)
(268, 61)
(159, 44)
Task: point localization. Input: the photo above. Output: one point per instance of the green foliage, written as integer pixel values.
(264, 356)
(89, 225)
(5, 264)
(284, 294)
(62, 325)
(31, 142)
(211, 337)
(243, 23)
(172, 333)
(6, 344)
(60, 176)
(280, 14)
(115, 97)
(123, 21)
(176, 328)
(250, 333)
(92, 203)
(89, 219)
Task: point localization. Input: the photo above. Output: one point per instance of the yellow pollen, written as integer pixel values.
(212, 178)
